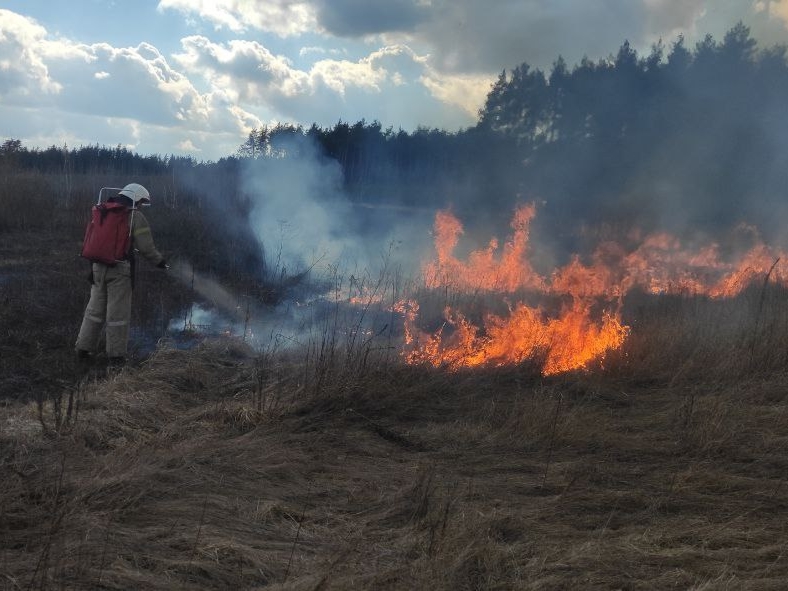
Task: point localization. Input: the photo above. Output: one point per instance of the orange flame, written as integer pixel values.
(568, 342)
(588, 324)
(511, 272)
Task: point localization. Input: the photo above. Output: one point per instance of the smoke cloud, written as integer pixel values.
(306, 222)
(299, 210)
(325, 255)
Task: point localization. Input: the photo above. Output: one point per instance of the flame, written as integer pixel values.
(509, 272)
(584, 323)
(567, 342)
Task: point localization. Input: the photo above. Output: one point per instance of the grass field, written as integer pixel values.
(205, 469)
(222, 467)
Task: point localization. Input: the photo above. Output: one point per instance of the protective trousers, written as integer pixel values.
(110, 305)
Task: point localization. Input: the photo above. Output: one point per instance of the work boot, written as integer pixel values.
(116, 361)
(83, 355)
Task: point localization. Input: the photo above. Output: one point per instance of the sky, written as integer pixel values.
(193, 77)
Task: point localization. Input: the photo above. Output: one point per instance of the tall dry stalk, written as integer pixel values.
(295, 541)
(553, 427)
(758, 313)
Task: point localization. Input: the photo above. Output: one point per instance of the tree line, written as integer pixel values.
(693, 136)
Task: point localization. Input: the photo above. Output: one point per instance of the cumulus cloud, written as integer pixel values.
(188, 146)
(134, 82)
(402, 62)
(465, 36)
(116, 95)
(466, 92)
(23, 71)
(251, 75)
(473, 37)
(282, 17)
(245, 69)
(208, 93)
(343, 18)
(391, 65)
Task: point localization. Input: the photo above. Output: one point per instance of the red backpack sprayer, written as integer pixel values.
(108, 233)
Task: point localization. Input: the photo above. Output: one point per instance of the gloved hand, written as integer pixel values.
(163, 265)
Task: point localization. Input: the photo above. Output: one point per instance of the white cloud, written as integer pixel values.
(98, 93)
(468, 92)
(208, 94)
(23, 71)
(251, 74)
(135, 82)
(776, 9)
(474, 37)
(402, 62)
(244, 69)
(304, 51)
(187, 146)
(281, 17)
(338, 75)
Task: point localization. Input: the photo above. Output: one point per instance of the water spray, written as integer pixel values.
(208, 288)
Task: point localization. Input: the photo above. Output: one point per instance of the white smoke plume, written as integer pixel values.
(326, 256)
(300, 213)
(208, 289)
(305, 221)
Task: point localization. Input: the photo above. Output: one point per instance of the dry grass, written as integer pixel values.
(334, 468)
(203, 470)
(686, 338)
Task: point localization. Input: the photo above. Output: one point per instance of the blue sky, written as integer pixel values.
(194, 76)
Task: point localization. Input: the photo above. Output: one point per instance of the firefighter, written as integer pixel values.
(110, 295)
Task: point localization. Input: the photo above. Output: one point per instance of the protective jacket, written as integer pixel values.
(110, 294)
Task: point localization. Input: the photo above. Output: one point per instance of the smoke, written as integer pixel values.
(325, 256)
(210, 290)
(295, 321)
(298, 209)
(306, 222)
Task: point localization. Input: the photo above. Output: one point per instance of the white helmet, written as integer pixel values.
(137, 193)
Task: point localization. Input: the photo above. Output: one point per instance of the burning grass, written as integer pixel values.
(337, 465)
(572, 317)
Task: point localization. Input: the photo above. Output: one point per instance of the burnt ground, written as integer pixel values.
(44, 288)
(212, 469)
